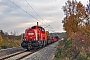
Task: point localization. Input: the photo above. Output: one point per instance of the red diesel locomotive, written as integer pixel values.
(35, 37)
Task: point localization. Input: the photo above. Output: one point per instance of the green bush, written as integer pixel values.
(10, 43)
(4, 47)
(81, 57)
(68, 50)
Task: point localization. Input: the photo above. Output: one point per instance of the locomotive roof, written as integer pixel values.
(33, 27)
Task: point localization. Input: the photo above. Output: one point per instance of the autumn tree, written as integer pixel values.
(88, 16)
(1, 40)
(74, 16)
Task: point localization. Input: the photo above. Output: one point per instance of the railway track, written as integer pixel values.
(8, 51)
(20, 55)
(3, 58)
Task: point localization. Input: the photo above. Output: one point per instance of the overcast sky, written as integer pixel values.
(12, 18)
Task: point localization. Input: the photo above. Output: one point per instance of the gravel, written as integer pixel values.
(8, 51)
(46, 53)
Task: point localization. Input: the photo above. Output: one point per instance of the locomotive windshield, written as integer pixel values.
(39, 28)
(43, 30)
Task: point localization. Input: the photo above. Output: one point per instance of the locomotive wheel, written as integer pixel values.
(29, 46)
(43, 43)
(40, 44)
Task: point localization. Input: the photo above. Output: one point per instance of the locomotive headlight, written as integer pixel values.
(24, 39)
(30, 33)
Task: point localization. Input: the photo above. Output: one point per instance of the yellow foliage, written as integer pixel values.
(47, 33)
(74, 19)
(1, 39)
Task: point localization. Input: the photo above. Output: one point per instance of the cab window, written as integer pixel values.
(43, 30)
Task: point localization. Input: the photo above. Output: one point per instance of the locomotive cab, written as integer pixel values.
(28, 39)
(30, 35)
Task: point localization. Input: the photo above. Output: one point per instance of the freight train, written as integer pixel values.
(36, 37)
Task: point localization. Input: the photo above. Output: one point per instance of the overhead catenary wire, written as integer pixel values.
(29, 13)
(37, 14)
(35, 11)
(25, 11)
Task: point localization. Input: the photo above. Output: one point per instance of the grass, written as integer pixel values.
(67, 50)
(9, 43)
